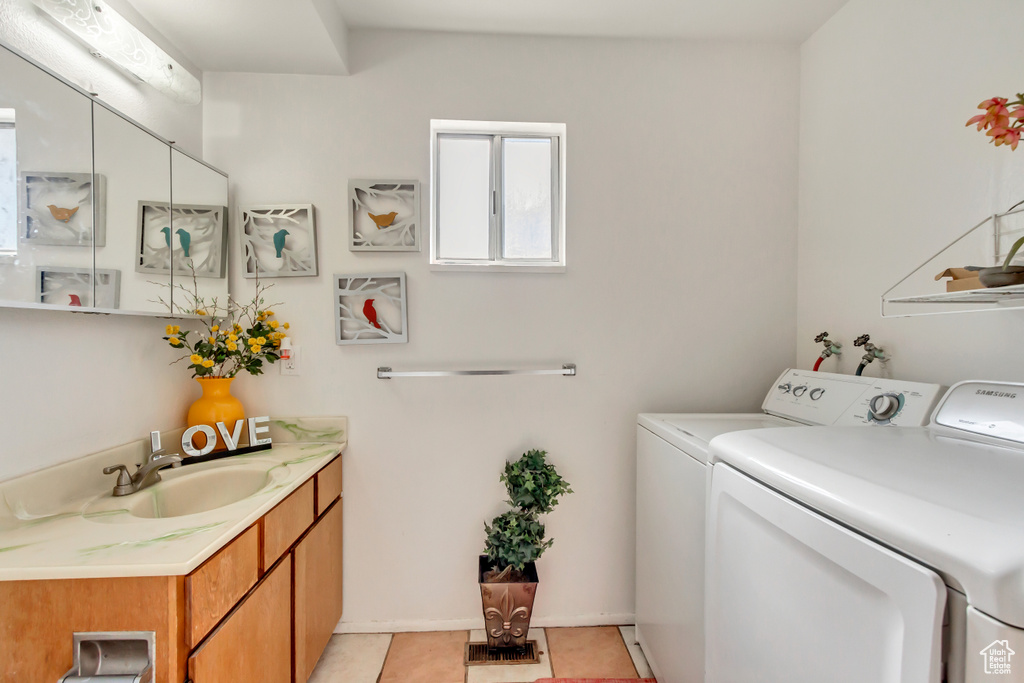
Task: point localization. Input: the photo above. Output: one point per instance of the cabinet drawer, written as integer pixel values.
(328, 485)
(283, 525)
(318, 599)
(220, 582)
(254, 644)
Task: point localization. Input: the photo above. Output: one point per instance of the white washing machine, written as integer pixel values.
(871, 555)
(672, 453)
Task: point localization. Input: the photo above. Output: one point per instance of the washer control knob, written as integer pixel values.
(784, 388)
(816, 393)
(884, 407)
(799, 391)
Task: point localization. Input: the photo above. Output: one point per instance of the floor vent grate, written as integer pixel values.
(479, 653)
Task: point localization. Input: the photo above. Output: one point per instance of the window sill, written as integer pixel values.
(498, 267)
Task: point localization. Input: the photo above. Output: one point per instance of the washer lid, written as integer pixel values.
(955, 505)
(691, 432)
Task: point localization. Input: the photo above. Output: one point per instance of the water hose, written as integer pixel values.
(873, 352)
(831, 348)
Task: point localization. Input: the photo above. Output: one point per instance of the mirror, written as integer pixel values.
(200, 229)
(96, 212)
(137, 167)
(47, 203)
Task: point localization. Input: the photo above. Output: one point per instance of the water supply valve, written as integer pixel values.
(831, 348)
(871, 352)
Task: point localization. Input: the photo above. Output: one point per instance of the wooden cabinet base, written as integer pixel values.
(317, 590)
(38, 618)
(254, 643)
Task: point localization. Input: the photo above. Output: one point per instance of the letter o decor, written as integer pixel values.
(189, 447)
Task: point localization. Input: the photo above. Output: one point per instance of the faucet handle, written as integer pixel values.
(154, 442)
(123, 478)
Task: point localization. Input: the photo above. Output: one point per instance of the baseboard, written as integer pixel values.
(409, 625)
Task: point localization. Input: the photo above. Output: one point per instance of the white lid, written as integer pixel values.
(955, 505)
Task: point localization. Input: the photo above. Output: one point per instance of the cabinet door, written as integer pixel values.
(254, 643)
(317, 590)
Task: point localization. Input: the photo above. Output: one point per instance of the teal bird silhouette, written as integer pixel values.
(167, 235)
(184, 238)
(279, 241)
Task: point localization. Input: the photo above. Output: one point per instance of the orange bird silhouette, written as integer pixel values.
(371, 313)
(384, 219)
(61, 214)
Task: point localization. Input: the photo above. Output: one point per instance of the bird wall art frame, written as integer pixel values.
(278, 240)
(370, 309)
(195, 236)
(56, 209)
(384, 215)
(73, 287)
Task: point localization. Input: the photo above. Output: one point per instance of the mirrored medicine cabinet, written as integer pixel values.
(97, 213)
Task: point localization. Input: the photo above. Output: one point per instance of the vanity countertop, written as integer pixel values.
(63, 523)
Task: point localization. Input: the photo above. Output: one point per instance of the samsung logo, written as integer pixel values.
(995, 394)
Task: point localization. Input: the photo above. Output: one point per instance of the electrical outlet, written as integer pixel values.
(290, 366)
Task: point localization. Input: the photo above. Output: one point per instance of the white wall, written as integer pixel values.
(889, 175)
(75, 384)
(679, 293)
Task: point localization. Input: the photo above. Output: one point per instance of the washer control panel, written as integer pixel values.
(825, 398)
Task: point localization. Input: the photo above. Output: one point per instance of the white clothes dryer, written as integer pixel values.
(871, 555)
(672, 456)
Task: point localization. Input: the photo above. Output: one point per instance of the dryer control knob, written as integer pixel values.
(884, 407)
(784, 388)
(816, 393)
(799, 391)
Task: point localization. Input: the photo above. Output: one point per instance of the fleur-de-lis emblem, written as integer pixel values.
(507, 621)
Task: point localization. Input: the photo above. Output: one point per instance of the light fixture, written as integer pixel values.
(112, 37)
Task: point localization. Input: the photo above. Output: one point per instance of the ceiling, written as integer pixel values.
(308, 36)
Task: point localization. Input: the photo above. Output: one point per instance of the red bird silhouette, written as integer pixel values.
(75, 301)
(371, 313)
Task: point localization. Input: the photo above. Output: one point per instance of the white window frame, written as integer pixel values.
(497, 130)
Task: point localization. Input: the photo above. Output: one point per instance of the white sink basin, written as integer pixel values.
(187, 490)
(199, 492)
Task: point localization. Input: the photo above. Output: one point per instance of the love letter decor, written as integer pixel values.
(231, 439)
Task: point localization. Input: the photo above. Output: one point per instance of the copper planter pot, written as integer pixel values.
(507, 607)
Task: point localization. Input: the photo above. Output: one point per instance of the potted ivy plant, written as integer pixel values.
(515, 540)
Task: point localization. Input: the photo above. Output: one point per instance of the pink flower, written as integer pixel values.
(996, 114)
(1005, 136)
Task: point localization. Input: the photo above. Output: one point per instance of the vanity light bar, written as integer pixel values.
(568, 370)
(112, 37)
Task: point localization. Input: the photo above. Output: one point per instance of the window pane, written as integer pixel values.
(8, 182)
(526, 193)
(464, 197)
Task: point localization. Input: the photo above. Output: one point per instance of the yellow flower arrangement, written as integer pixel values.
(219, 353)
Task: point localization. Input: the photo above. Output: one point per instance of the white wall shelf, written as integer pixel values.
(985, 245)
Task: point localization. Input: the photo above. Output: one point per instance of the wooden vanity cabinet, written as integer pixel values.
(317, 589)
(260, 610)
(254, 643)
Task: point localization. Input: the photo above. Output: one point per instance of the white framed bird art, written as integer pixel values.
(62, 209)
(384, 215)
(186, 238)
(278, 240)
(370, 309)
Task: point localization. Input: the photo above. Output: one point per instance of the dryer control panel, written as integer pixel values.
(825, 398)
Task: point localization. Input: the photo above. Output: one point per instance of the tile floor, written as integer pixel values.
(437, 657)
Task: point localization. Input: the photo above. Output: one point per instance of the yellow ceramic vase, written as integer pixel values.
(215, 405)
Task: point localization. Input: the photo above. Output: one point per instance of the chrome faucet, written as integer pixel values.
(157, 459)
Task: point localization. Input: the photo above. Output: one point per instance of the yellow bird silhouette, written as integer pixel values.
(61, 214)
(383, 220)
